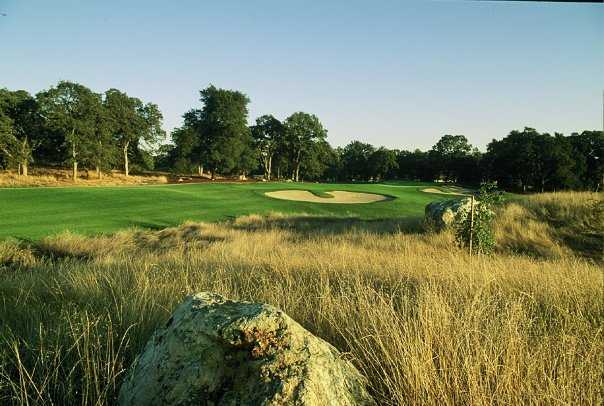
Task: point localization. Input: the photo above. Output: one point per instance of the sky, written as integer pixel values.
(395, 73)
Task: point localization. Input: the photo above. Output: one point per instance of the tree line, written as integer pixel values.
(218, 139)
(70, 124)
(521, 161)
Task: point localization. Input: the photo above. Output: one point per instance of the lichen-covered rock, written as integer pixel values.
(441, 214)
(215, 351)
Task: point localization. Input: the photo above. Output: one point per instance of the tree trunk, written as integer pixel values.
(99, 173)
(299, 154)
(25, 153)
(278, 173)
(75, 163)
(265, 167)
(213, 174)
(270, 164)
(126, 159)
(19, 169)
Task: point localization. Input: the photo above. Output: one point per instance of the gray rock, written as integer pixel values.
(441, 214)
(215, 351)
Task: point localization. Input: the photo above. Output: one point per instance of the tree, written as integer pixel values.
(18, 144)
(248, 160)
(355, 160)
(72, 109)
(529, 160)
(267, 134)
(452, 145)
(8, 141)
(302, 131)
(553, 165)
(448, 154)
(317, 160)
(333, 171)
(415, 165)
(512, 160)
(16, 151)
(181, 155)
(221, 126)
(132, 122)
(589, 145)
(104, 152)
(382, 163)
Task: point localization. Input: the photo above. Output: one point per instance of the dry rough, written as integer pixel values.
(214, 351)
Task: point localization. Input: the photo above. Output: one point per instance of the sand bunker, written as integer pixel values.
(456, 192)
(338, 196)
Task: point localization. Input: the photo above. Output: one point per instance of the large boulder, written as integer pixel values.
(441, 214)
(215, 351)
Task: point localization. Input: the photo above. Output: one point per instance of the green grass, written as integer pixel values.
(33, 213)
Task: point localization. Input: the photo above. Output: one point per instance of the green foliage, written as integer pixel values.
(355, 161)
(7, 139)
(267, 135)
(131, 123)
(447, 156)
(70, 123)
(588, 153)
(478, 229)
(530, 161)
(19, 124)
(303, 132)
(72, 109)
(221, 126)
(382, 163)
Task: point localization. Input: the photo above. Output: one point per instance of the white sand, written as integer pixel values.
(338, 196)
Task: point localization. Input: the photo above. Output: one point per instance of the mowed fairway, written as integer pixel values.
(33, 213)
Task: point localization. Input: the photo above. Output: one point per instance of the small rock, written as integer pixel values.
(214, 351)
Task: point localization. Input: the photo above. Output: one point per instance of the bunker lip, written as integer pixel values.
(338, 197)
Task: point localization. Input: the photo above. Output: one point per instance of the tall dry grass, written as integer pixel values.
(423, 321)
(553, 225)
(46, 177)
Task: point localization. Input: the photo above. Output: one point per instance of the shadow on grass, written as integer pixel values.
(149, 225)
(325, 225)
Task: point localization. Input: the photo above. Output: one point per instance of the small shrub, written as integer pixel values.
(477, 232)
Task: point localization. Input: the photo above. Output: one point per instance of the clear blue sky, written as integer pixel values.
(394, 73)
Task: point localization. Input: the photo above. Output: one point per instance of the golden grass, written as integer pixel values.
(45, 177)
(423, 321)
(553, 225)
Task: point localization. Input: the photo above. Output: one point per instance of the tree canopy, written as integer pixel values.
(71, 109)
(71, 124)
